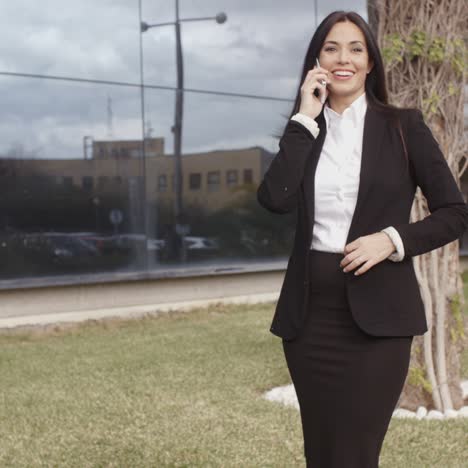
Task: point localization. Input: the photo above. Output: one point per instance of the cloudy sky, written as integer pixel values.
(259, 50)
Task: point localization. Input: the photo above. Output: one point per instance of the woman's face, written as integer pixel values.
(345, 49)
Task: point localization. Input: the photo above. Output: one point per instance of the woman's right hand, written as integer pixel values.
(310, 104)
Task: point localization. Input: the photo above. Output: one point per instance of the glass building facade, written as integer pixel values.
(92, 187)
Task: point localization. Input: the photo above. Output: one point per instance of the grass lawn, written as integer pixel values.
(178, 390)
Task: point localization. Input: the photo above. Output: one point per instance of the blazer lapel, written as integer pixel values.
(373, 135)
(374, 127)
(308, 183)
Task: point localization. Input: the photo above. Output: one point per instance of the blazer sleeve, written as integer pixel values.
(448, 217)
(279, 188)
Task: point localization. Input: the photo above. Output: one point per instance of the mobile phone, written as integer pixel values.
(323, 82)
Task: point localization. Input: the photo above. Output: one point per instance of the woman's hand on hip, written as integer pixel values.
(367, 251)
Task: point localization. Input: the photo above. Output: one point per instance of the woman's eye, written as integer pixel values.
(356, 49)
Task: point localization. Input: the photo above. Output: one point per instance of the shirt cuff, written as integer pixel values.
(308, 122)
(397, 242)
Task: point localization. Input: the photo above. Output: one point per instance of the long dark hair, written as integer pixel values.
(375, 85)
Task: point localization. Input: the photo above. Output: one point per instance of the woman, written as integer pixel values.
(350, 302)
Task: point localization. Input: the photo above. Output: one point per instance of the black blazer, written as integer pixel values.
(385, 300)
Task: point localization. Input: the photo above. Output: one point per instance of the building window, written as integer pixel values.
(231, 177)
(248, 176)
(87, 182)
(162, 183)
(103, 180)
(195, 181)
(213, 180)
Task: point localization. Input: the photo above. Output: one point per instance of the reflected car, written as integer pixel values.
(204, 243)
(58, 245)
(155, 244)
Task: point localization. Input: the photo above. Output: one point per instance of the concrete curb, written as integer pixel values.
(130, 312)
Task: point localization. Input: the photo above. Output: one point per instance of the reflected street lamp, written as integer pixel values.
(177, 128)
(96, 202)
(316, 13)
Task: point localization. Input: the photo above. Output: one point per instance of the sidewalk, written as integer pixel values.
(129, 311)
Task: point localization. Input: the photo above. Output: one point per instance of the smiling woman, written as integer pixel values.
(350, 302)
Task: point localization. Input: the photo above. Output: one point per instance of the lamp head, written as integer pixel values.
(221, 18)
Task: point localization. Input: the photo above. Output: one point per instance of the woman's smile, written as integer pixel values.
(342, 77)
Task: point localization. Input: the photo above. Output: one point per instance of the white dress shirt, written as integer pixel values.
(337, 177)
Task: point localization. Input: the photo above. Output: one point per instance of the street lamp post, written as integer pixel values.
(316, 12)
(178, 118)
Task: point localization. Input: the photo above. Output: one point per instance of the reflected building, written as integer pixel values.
(119, 198)
(211, 180)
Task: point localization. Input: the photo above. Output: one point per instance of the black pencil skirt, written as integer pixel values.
(347, 381)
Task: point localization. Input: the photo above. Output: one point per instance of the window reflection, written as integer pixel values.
(213, 181)
(195, 181)
(231, 177)
(110, 207)
(88, 184)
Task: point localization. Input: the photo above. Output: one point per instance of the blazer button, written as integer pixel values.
(285, 189)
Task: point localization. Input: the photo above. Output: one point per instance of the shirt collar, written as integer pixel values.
(355, 112)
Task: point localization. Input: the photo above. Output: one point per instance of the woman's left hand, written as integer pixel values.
(367, 251)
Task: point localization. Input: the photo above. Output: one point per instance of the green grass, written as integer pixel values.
(178, 390)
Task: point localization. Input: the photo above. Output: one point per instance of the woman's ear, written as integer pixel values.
(370, 67)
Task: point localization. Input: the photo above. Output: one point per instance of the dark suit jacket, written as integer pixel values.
(385, 300)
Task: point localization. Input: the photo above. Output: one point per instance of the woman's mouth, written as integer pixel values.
(342, 75)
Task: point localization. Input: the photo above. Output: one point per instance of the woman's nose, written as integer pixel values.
(343, 57)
